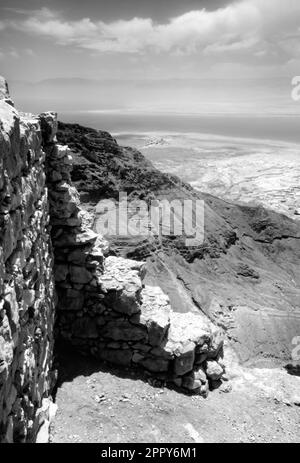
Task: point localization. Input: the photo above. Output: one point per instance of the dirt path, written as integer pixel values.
(104, 405)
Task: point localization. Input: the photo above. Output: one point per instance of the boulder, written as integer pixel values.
(214, 370)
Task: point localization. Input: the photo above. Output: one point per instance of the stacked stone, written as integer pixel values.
(27, 299)
(104, 308)
(139, 328)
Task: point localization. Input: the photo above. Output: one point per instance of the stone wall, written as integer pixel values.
(103, 307)
(100, 302)
(27, 297)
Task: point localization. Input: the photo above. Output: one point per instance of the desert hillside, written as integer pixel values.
(245, 276)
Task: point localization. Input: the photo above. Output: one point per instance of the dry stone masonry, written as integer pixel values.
(102, 306)
(27, 298)
(105, 310)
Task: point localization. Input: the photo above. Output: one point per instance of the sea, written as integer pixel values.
(270, 127)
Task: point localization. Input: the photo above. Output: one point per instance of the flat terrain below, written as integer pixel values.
(101, 404)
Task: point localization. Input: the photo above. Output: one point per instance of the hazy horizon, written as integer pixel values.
(200, 56)
(181, 96)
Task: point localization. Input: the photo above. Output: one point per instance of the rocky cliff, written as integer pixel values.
(245, 276)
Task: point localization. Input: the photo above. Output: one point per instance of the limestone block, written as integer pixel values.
(155, 314)
(155, 364)
(123, 285)
(184, 362)
(214, 370)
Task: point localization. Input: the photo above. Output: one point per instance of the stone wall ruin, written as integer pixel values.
(53, 264)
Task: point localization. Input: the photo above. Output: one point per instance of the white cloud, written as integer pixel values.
(29, 52)
(242, 26)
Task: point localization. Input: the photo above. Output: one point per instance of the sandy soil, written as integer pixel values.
(104, 405)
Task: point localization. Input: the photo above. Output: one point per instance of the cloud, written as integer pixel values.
(11, 53)
(240, 27)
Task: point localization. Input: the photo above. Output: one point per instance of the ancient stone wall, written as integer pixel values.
(103, 307)
(101, 304)
(27, 299)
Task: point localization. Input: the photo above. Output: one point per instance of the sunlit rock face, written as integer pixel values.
(27, 295)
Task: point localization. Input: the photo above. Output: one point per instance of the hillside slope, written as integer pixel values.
(245, 276)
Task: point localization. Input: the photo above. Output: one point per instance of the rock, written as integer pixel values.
(195, 380)
(4, 93)
(177, 382)
(185, 328)
(137, 357)
(49, 126)
(185, 360)
(122, 330)
(214, 371)
(79, 275)
(78, 257)
(155, 364)
(28, 298)
(225, 387)
(199, 374)
(60, 272)
(43, 434)
(200, 358)
(204, 390)
(74, 240)
(190, 383)
(121, 281)
(246, 271)
(155, 314)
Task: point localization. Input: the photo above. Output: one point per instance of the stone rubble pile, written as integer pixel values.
(103, 307)
(27, 295)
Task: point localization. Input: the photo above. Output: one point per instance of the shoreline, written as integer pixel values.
(250, 171)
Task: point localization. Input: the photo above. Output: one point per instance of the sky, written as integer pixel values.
(123, 43)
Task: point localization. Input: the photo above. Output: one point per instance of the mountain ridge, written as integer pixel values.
(244, 277)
